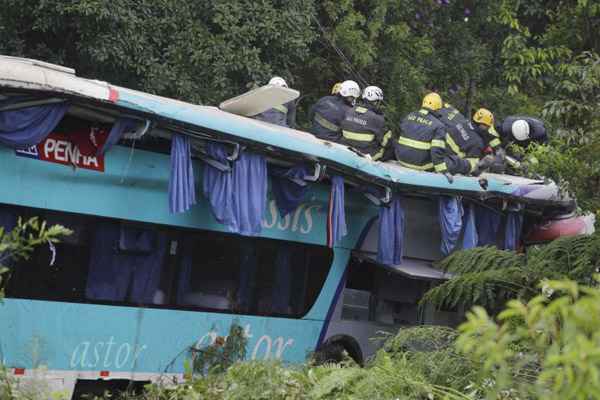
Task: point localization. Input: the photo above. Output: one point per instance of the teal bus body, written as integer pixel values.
(96, 337)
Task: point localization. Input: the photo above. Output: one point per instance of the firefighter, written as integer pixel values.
(421, 142)
(363, 126)
(495, 159)
(461, 139)
(483, 124)
(522, 130)
(329, 111)
(284, 114)
(515, 129)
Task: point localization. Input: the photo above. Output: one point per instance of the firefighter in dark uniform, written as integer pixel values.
(483, 123)
(364, 128)
(329, 111)
(421, 143)
(522, 131)
(284, 114)
(495, 159)
(462, 140)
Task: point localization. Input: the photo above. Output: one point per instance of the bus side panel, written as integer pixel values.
(137, 190)
(99, 337)
(83, 337)
(325, 300)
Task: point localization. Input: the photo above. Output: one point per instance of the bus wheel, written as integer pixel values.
(330, 353)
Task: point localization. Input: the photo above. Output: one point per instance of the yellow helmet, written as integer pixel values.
(336, 88)
(484, 116)
(432, 101)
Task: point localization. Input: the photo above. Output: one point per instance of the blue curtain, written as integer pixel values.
(121, 267)
(238, 198)
(450, 212)
(26, 127)
(470, 236)
(217, 186)
(289, 187)
(121, 125)
(512, 233)
(182, 192)
(249, 194)
(488, 223)
(391, 233)
(336, 217)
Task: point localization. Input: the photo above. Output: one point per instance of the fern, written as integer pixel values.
(487, 288)
(480, 259)
(488, 277)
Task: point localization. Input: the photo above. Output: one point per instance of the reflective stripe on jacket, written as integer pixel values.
(421, 143)
(363, 128)
(282, 115)
(326, 116)
(464, 144)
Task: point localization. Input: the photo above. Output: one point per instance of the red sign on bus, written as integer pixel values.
(77, 149)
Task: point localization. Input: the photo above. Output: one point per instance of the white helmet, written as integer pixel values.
(350, 89)
(520, 129)
(372, 93)
(278, 81)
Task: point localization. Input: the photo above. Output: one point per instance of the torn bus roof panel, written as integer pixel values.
(204, 121)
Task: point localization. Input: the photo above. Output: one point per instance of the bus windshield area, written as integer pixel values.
(125, 263)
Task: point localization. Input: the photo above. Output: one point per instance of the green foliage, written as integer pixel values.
(223, 353)
(572, 159)
(399, 371)
(430, 352)
(489, 277)
(199, 52)
(34, 388)
(19, 243)
(546, 348)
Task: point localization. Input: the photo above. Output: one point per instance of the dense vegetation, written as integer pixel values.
(489, 277)
(537, 57)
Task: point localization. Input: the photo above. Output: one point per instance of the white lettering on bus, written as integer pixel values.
(49, 147)
(268, 342)
(280, 346)
(65, 151)
(120, 361)
(308, 217)
(265, 348)
(125, 354)
(300, 220)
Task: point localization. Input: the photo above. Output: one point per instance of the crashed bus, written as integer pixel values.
(189, 218)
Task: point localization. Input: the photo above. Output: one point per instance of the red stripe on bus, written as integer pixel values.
(113, 95)
(19, 371)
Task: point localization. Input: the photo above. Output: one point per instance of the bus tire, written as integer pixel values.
(337, 350)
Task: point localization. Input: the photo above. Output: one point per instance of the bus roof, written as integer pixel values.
(205, 122)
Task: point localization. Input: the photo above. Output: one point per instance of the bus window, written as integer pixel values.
(375, 294)
(116, 262)
(251, 275)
